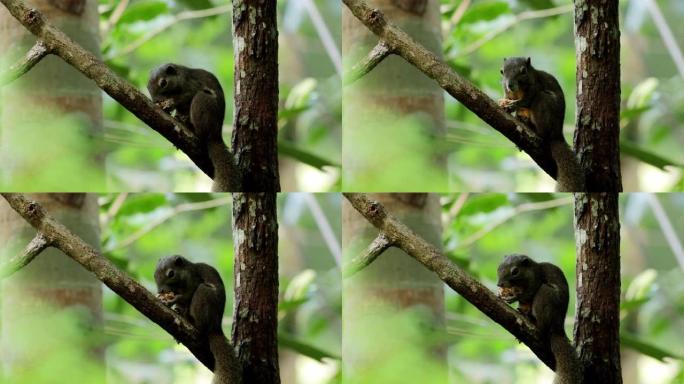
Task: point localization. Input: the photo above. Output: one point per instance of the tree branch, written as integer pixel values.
(18, 69)
(33, 249)
(130, 290)
(378, 246)
(472, 290)
(127, 95)
(458, 87)
(374, 57)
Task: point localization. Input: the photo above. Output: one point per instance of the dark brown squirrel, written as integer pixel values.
(197, 98)
(537, 100)
(541, 291)
(197, 293)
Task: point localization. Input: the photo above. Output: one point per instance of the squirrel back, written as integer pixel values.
(537, 99)
(196, 291)
(541, 291)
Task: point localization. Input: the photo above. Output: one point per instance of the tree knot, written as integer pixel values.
(33, 17)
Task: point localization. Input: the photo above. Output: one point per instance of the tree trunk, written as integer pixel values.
(255, 314)
(46, 288)
(52, 115)
(597, 121)
(597, 323)
(394, 110)
(390, 286)
(255, 130)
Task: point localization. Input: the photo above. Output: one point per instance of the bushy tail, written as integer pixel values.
(568, 369)
(226, 176)
(570, 176)
(226, 366)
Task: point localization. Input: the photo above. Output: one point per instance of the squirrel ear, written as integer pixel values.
(178, 260)
(528, 61)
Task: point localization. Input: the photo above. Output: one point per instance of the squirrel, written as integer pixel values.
(196, 292)
(541, 291)
(537, 100)
(197, 98)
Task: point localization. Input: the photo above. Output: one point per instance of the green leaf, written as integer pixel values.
(289, 149)
(484, 11)
(631, 149)
(483, 203)
(289, 341)
(142, 203)
(648, 349)
(143, 10)
(196, 4)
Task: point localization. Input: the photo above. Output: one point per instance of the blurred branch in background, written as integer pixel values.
(522, 16)
(185, 15)
(180, 208)
(666, 226)
(324, 226)
(667, 36)
(324, 34)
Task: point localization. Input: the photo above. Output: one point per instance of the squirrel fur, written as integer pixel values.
(196, 292)
(541, 291)
(197, 98)
(537, 99)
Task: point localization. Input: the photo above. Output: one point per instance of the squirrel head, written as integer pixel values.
(517, 77)
(166, 81)
(172, 274)
(518, 278)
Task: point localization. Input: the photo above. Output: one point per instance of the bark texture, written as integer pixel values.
(255, 129)
(597, 121)
(597, 323)
(255, 315)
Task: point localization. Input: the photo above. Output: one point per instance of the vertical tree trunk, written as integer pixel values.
(391, 113)
(393, 282)
(52, 114)
(597, 133)
(49, 285)
(255, 130)
(597, 324)
(255, 315)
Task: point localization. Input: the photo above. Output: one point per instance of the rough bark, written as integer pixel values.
(50, 284)
(255, 130)
(597, 323)
(255, 314)
(597, 121)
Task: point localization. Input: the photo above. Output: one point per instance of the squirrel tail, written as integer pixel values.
(226, 177)
(570, 177)
(567, 364)
(226, 366)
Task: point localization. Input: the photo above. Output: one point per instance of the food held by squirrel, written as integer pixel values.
(537, 100)
(196, 292)
(541, 291)
(197, 98)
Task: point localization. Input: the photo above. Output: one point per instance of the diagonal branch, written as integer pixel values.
(39, 243)
(458, 87)
(119, 89)
(374, 57)
(18, 69)
(433, 259)
(58, 236)
(378, 246)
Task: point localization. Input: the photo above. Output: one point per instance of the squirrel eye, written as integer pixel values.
(162, 83)
(514, 271)
(170, 273)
